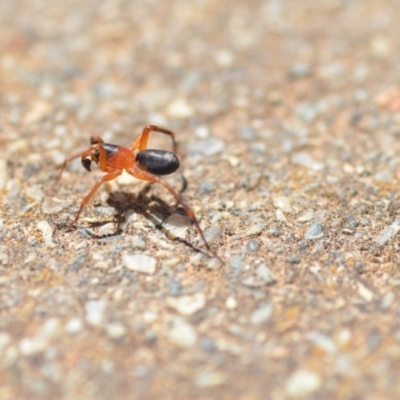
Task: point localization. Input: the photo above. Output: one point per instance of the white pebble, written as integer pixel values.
(115, 330)
(213, 233)
(206, 379)
(364, 292)
(322, 341)
(140, 263)
(30, 346)
(283, 203)
(37, 112)
(187, 305)
(107, 229)
(265, 275)
(262, 314)
(5, 339)
(50, 328)
(47, 233)
(74, 325)
(224, 58)
(94, 311)
(389, 232)
(3, 174)
(256, 229)
(57, 157)
(207, 147)
(302, 383)
(149, 316)
(180, 108)
(176, 226)
(181, 333)
(231, 303)
(3, 255)
(35, 193)
(54, 205)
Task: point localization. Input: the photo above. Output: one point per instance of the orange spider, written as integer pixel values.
(138, 161)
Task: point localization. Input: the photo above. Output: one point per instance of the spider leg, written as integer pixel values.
(141, 142)
(146, 176)
(83, 154)
(108, 177)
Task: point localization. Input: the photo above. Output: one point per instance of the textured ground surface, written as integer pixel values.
(287, 115)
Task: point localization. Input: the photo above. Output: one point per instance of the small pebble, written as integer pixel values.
(180, 108)
(49, 329)
(181, 333)
(262, 314)
(35, 193)
(214, 263)
(389, 232)
(256, 229)
(187, 305)
(176, 226)
(252, 246)
(5, 340)
(140, 263)
(94, 311)
(303, 383)
(207, 344)
(37, 112)
(115, 330)
(3, 255)
(299, 70)
(213, 233)
(207, 147)
(283, 203)
(323, 342)
(307, 112)
(54, 205)
(47, 233)
(78, 262)
(305, 160)
(309, 215)
(138, 242)
(316, 231)
(206, 187)
(108, 229)
(364, 292)
(74, 325)
(265, 275)
(224, 58)
(206, 379)
(31, 346)
(231, 303)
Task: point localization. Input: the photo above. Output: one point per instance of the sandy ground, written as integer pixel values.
(287, 116)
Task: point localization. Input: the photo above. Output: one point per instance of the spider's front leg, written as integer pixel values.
(105, 178)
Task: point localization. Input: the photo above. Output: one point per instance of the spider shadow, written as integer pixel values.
(147, 205)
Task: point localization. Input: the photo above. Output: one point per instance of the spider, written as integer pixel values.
(138, 161)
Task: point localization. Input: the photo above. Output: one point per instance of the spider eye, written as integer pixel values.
(86, 162)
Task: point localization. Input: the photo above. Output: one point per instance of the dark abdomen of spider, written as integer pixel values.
(157, 162)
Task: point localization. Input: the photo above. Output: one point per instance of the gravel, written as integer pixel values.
(315, 231)
(140, 263)
(287, 134)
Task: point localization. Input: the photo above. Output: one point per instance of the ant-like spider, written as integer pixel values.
(138, 161)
